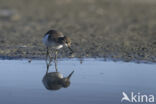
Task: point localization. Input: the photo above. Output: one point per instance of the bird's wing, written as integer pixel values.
(58, 35)
(55, 37)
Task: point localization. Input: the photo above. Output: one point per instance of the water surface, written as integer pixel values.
(93, 82)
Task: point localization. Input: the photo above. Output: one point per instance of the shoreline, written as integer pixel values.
(82, 59)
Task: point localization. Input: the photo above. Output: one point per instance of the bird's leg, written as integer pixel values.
(50, 59)
(47, 57)
(56, 60)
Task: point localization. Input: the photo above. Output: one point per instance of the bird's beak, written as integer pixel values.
(70, 74)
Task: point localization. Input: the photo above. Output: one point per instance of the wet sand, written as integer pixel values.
(117, 29)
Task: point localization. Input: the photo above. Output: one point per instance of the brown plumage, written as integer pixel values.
(56, 40)
(55, 80)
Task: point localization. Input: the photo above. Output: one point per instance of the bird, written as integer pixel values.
(56, 40)
(56, 80)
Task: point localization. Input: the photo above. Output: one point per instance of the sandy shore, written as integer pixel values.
(116, 29)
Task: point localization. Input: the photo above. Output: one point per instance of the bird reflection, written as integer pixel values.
(56, 80)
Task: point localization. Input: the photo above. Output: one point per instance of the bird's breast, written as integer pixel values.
(45, 40)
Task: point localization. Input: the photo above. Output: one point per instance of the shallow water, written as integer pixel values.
(93, 82)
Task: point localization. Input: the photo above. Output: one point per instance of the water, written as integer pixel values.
(93, 82)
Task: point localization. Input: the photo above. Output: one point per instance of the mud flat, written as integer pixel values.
(120, 30)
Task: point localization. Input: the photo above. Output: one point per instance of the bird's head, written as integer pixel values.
(66, 80)
(67, 43)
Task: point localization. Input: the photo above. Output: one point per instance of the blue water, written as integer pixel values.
(93, 82)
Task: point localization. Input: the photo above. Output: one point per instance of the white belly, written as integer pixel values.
(51, 43)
